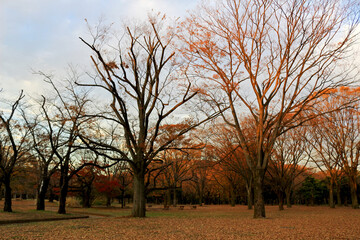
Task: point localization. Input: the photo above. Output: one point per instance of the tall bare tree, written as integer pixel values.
(271, 59)
(140, 77)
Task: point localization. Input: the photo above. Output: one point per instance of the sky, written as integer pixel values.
(43, 35)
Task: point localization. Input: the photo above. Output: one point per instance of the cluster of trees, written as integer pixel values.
(271, 70)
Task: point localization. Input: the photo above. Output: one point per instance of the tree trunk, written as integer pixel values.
(353, 189)
(174, 197)
(40, 201)
(232, 197)
(1, 192)
(259, 203)
(51, 194)
(201, 197)
(108, 201)
(168, 197)
(122, 199)
(64, 185)
(288, 197)
(7, 203)
(331, 194)
(138, 209)
(249, 197)
(87, 197)
(280, 195)
(338, 194)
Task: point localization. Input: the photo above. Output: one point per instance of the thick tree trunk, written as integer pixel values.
(7, 203)
(331, 194)
(138, 209)
(249, 197)
(259, 203)
(64, 185)
(280, 195)
(353, 189)
(40, 201)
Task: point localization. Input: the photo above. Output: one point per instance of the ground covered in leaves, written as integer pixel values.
(206, 222)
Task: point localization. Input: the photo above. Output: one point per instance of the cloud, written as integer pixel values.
(43, 35)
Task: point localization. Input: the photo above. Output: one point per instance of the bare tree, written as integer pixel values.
(272, 59)
(66, 119)
(288, 161)
(141, 78)
(231, 158)
(336, 138)
(14, 146)
(42, 151)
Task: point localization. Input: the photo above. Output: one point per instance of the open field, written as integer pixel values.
(207, 222)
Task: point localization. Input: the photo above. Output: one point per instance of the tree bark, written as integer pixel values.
(7, 203)
(40, 201)
(259, 203)
(138, 209)
(353, 189)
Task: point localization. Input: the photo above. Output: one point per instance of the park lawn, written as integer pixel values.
(25, 210)
(207, 222)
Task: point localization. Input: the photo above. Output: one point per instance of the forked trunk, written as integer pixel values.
(7, 203)
(40, 201)
(138, 209)
(259, 203)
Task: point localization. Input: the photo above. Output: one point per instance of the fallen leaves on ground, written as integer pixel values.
(208, 222)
